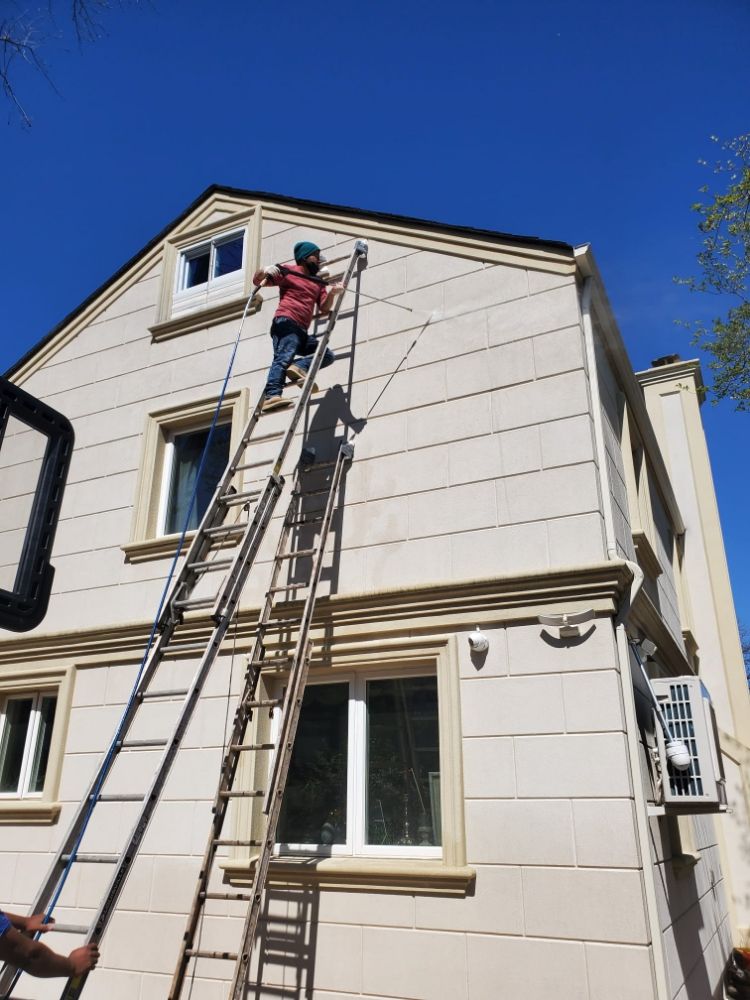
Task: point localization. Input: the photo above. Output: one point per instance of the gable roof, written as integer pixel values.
(303, 203)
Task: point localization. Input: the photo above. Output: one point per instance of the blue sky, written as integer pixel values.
(579, 122)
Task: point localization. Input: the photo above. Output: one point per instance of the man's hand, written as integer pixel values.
(84, 959)
(272, 271)
(38, 925)
(337, 289)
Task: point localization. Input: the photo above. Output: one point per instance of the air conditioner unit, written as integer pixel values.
(687, 709)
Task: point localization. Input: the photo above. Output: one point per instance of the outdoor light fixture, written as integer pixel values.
(568, 624)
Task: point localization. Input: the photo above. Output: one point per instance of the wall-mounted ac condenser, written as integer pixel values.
(689, 714)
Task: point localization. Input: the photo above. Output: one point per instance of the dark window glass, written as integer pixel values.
(15, 731)
(197, 269)
(43, 741)
(314, 810)
(188, 449)
(228, 257)
(403, 762)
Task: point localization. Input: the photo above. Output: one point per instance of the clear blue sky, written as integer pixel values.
(579, 122)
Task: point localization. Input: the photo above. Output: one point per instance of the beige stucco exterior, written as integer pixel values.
(487, 488)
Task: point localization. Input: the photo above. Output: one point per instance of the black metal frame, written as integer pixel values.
(24, 607)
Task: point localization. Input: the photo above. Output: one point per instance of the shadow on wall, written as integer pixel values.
(286, 944)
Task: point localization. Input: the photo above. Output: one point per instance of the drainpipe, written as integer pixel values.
(623, 651)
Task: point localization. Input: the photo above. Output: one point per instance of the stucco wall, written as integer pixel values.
(474, 459)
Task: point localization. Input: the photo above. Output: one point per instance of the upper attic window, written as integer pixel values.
(209, 273)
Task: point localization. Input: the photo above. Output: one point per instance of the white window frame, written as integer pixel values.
(39, 807)
(215, 289)
(356, 777)
(149, 506)
(167, 472)
(32, 735)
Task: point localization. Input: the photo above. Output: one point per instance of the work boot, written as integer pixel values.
(275, 403)
(298, 376)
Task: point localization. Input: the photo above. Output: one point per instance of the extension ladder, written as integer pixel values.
(213, 534)
(290, 704)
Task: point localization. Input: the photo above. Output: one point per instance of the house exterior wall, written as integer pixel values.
(474, 499)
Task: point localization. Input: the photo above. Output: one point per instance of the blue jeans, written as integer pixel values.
(289, 340)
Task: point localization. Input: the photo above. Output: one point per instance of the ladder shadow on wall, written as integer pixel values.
(330, 422)
(286, 944)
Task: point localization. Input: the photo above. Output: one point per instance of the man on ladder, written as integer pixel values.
(299, 292)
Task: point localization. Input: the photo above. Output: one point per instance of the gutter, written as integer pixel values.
(621, 645)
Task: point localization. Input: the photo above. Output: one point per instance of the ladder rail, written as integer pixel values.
(151, 798)
(244, 713)
(285, 745)
(231, 759)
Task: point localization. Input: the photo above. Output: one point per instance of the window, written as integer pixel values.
(34, 709)
(365, 772)
(26, 723)
(173, 443)
(182, 457)
(375, 792)
(209, 272)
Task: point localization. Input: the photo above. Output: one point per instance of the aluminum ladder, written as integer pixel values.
(290, 705)
(213, 533)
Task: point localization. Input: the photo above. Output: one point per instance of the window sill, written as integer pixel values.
(384, 875)
(189, 322)
(646, 555)
(155, 548)
(163, 547)
(28, 811)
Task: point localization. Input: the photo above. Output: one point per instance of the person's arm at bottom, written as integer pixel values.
(39, 960)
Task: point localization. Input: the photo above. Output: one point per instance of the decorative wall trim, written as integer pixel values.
(368, 874)
(499, 600)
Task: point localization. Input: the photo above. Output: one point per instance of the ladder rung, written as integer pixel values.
(186, 647)
(298, 552)
(91, 859)
(232, 499)
(225, 529)
(253, 465)
(70, 928)
(241, 795)
(171, 693)
(142, 744)
(189, 603)
(306, 520)
(211, 565)
(242, 747)
(124, 797)
(230, 956)
(288, 586)
(267, 703)
(270, 661)
(311, 493)
(238, 843)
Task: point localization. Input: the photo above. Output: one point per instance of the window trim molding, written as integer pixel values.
(166, 325)
(449, 874)
(43, 809)
(144, 542)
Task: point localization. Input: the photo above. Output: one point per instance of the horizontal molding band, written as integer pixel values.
(348, 617)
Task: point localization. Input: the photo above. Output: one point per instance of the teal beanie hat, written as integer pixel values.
(304, 249)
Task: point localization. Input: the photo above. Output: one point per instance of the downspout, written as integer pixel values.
(623, 652)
